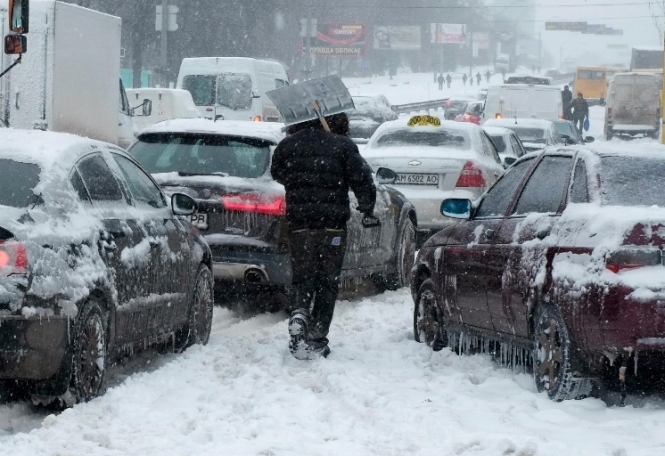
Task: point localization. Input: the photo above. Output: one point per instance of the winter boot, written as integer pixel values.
(318, 348)
(298, 332)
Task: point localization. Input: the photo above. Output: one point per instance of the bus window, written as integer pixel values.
(591, 74)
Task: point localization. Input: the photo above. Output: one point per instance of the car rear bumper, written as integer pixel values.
(259, 268)
(32, 348)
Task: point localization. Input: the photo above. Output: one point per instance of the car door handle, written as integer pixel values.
(489, 233)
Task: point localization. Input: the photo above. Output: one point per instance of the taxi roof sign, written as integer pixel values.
(424, 121)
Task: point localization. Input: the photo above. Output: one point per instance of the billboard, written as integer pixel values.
(481, 39)
(448, 33)
(397, 38)
(570, 26)
(340, 40)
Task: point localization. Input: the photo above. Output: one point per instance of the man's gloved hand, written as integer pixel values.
(369, 221)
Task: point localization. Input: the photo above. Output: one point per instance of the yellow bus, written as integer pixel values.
(592, 83)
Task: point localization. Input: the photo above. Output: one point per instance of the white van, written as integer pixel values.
(166, 104)
(233, 88)
(633, 105)
(523, 101)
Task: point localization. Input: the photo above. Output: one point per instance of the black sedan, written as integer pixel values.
(225, 167)
(371, 111)
(95, 263)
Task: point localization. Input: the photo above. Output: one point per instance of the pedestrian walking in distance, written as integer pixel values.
(448, 80)
(580, 109)
(488, 75)
(464, 79)
(479, 77)
(441, 80)
(566, 100)
(317, 168)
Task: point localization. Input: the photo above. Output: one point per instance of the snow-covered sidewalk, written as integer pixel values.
(378, 393)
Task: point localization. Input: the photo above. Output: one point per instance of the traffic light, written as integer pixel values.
(19, 16)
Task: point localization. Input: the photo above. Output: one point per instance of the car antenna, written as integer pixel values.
(515, 112)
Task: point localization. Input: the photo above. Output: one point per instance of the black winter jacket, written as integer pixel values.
(317, 168)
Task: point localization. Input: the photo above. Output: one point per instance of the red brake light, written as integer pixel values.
(471, 176)
(623, 260)
(259, 204)
(448, 104)
(13, 258)
(257, 119)
(498, 115)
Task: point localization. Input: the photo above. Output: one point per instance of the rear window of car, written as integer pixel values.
(632, 181)
(532, 135)
(436, 138)
(499, 143)
(17, 183)
(202, 88)
(203, 155)
(564, 128)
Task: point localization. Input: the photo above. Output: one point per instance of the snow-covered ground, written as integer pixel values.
(379, 393)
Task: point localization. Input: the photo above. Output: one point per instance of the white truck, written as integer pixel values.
(523, 101)
(69, 78)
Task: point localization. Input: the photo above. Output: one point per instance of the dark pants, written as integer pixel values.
(317, 257)
(579, 123)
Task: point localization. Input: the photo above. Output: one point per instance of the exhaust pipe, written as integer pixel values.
(253, 275)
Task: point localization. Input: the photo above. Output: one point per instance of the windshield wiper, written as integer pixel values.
(188, 174)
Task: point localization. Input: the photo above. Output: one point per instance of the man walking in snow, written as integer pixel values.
(580, 109)
(440, 80)
(464, 78)
(479, 77)
(317, 168)
(566, 99)
(448, 80)
(488, 75)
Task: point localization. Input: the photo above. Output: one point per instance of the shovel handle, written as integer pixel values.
(323, 120)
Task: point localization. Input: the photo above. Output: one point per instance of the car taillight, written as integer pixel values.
(259, 204)
(13, 258)
(257, 118)
(632, 259)
(471, 176)
(498, 115)
(447, 104)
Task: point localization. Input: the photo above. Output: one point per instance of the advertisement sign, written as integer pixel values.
(340, 40)
(570, 26)
(448, 33)
(397, 38)
(595, 29)
(482, 39)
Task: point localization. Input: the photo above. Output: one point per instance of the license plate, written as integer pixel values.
(417, 179)
(200, 221)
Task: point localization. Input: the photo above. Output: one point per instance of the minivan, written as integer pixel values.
(633, 105)
(523, 101)
(166, 104)
(233, 88)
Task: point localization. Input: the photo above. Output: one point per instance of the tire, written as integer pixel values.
(552, 349)
(404, 259)
(427, 325)
(89, 354)
(199, 323)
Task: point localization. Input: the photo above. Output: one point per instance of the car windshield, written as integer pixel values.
(437, 138)
(203, 155)
(234, 91)
(632, 181)
(498, 142)
(565, 128)
(531, 135)
(17, 183)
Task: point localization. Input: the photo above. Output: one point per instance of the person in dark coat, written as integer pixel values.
(566, 99)
(488, 75)
(448, 80)
(441, 80)
(580, 109)
(317, 169)
(479, 77)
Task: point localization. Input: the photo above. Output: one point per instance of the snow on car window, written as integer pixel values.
(234, 91)
(17, 183)
(202, 89)
(565, 128)
(533, 135)
(632, 181)
(203, 155)
(498, 142)
(438, 138)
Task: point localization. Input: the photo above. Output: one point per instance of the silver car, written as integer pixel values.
(434, 160)
(507, 144)
(535, 134)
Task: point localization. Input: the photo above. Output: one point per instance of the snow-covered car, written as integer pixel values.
(225, 167)
(507, 144)
(535, 134)
(434, 160)
(456, 106)
(94, 264)
(571, 135)
(472, 113)
(561, 262)
(371, 111)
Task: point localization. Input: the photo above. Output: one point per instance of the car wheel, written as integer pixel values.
(201, 308)
(552, 357)
(427, 327)
(404, 260)
(89, 352)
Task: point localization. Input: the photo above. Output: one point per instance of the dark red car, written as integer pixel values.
(472, 113)
(558, 267)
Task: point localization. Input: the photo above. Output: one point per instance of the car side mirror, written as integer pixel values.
(509, 161)
(569, 142)
(256, 94)
(386, 176)
(182, 204)
(589, 139)
(456, 208)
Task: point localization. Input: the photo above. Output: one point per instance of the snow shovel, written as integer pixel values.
(313, 99)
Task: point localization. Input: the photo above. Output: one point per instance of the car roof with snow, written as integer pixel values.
(519, 122)
(269, 131)
(497, 131)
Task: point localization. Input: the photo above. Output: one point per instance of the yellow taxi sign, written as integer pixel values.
(423, 121)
